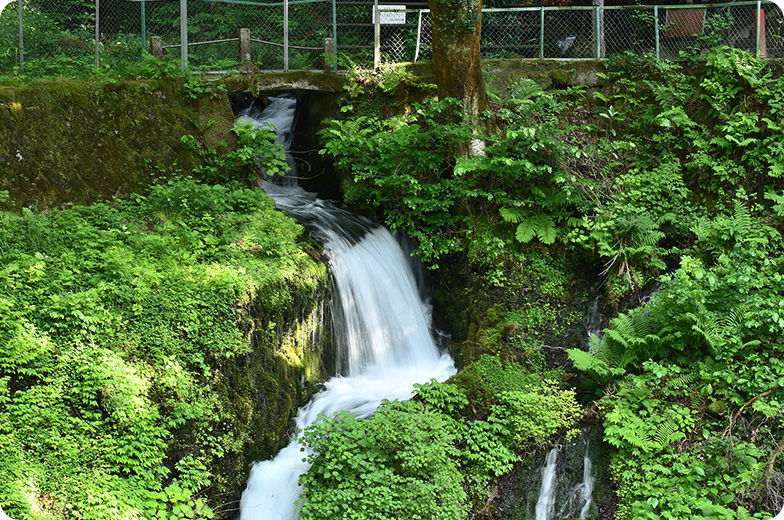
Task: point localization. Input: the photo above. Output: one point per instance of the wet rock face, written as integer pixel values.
(520, 492)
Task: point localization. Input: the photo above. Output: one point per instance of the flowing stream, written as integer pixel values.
(381, 326)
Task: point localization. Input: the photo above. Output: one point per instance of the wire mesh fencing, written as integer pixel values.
(281, 35)
(583, 32)
(290, 35)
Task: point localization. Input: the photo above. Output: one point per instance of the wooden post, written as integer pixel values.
(330, 54)
(244, 45)
(376, 36)
(286, 35)
(21, 38)
(156, 47)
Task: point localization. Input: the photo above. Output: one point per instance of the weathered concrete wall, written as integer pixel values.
(504, 73)
(77, 142)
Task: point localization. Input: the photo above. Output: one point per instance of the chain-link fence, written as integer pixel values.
(597, 32)
(44, 36)
(280, 35)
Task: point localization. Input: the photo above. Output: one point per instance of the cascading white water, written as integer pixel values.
(546, 502)
(278, 115)
(560, 496)
(382, 333)
(586, 487)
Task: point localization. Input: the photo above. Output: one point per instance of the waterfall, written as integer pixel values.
(381, 324)
(586, 487)
(546, 503)
(561, 495)
(279, 115)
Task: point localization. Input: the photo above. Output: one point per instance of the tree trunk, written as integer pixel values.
(457, 28)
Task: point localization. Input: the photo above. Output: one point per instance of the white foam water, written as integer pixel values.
(382, 334)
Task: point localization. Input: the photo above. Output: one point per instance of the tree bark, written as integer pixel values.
(457, 29)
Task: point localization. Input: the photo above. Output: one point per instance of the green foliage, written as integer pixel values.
(667, 464)
(535, 413)
(401, 462)
(177, 503)
(258, 152)
(409, 167)
(425, 458)
(114, 322)
(402, 165)
(697, 345)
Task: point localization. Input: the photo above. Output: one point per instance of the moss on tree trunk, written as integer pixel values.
(457, 29)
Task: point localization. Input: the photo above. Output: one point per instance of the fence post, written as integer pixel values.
(759, 28)
(541, 33)
(156, 47)
(376, 36)
(97, 32)
(286, 35)
(656, 30)
(144, 25)
(419, 36)
(599, 27)
(244, 44)
(184, 32)
(330, 54)
(335, 25)
(21, 38)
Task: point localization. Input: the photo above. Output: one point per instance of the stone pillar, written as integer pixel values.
(244, 45)
(156, 46)
(330, 54)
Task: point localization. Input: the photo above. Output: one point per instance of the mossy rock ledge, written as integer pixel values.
(78, 142)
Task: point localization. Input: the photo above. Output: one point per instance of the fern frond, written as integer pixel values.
(707, 325)
(513, 215)
(666, 433)
(701, 229)
(524, 91)
(681, 381)
(636, 433)
(734, 319)
(742, 219)
(618, 337)
(594, 343)
(545, 229)
(587, 362)
(525, 231)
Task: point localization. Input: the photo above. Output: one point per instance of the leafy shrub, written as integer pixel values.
(399, 463)
(114, 319)
(429, 457)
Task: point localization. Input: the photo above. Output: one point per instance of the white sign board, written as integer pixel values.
(390, 18)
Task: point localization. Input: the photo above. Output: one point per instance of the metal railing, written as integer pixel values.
(38, 36)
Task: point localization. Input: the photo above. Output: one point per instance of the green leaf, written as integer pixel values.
(525, 231)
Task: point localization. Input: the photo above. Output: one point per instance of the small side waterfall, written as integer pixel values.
(382, 331)
(561, 495)
(546, 503)
(586, 487)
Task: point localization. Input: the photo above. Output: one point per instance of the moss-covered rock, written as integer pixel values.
(78, 142)
(522, 308)
(160, 351)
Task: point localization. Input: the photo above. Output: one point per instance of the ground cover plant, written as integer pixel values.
(118, 320)
(436, 455)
